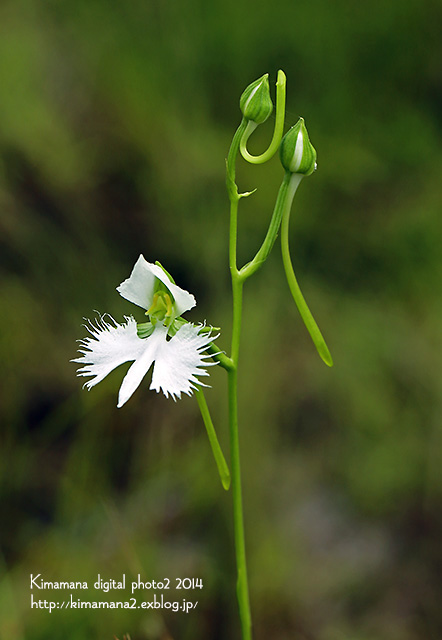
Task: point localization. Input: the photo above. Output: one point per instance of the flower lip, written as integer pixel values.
(178, 363)
(140, 287)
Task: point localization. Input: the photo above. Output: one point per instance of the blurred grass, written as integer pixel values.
(114, 124)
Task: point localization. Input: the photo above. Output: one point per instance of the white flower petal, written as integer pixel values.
(179, 360)
(183, 299)
(111, 344)
(139, 287)
(151, 347)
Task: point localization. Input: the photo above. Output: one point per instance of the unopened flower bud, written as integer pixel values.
(297, 153)
(255, 102)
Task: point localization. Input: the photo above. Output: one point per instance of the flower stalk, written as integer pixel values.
(299, 159)
(242, 589)
(293, 180)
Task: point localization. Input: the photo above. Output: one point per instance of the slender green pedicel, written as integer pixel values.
(303, 309)
(298, 157)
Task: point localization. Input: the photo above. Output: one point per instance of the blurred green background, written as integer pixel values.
(115, 119)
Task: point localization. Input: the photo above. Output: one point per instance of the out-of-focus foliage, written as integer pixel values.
(115, 119)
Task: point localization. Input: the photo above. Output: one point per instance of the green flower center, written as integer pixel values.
(161, 308)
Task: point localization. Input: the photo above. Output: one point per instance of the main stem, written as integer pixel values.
(242, 589)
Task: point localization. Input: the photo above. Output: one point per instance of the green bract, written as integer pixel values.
(255, 102)
(297, 153)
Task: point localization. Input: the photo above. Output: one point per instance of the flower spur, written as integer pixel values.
(173, 346)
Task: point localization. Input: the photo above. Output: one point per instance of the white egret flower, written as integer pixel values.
(175, 348)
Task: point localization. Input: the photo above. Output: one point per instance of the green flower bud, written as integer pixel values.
(255, 102)
(297, 153)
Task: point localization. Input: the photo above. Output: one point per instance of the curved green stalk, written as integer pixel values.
(278, 129)
(303, 309)
(224, 361)
(221, 463)
(283, 203)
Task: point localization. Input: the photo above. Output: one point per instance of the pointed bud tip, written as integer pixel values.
(297, 152)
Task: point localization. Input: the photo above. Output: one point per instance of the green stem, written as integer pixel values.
(242, 589)
(303, 309)
(231, 162)
(221, 463)
(234, 197)
(277, 132)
